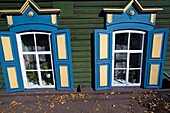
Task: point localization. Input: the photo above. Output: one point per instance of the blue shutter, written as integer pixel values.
(102, 59)
(62, 59)
(155, 58)
(10, 62)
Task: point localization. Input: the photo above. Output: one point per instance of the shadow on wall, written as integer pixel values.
(92, 62)
(166, 83)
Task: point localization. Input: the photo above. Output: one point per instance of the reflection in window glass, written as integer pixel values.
(32, 78)
(28, 42)
(120, 76)
(120, 60)
(42, 42)
(47, 78)
(121, 41)
(135, 60)
(45, 61)
(134, 76)
(30, 62)
(136, 41)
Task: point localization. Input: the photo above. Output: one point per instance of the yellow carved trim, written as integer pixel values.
(136, 4)
(157, 45)
(154, 74)
(10, 20)
(6, 44)
(64, 76)
(61, 44)
(53, 18)
(12, 77)
(103, 46)
(153, 18)
(127, 7)
(25, 7)
(109, 18)
(103, 75)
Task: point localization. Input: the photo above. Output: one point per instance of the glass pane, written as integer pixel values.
(42, 42)
(28, 42)
(134, 76)
(47, 78)
(135, 60)
(30, 62)
(136, 41)
(119, 76)
(32, 77)
(120, 60)
(45, 61)
(121, 41)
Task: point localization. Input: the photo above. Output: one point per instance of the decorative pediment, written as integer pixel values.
(27, 4)
(136, 5)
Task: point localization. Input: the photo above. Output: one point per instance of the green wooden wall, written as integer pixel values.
(82, 17)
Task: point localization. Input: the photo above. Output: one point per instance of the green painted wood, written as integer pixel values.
(66, 7)
(76, 49)
(80, 21)
(86, 59)
(86, 18)
(82, 17)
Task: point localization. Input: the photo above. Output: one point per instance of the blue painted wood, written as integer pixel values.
(99, 62)
(137, 21)
(62, 62)
(149, 60)
(41, 19)
(38, 22)
(130, 26)
(12, 63)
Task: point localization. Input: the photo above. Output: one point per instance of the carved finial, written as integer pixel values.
(30, 13)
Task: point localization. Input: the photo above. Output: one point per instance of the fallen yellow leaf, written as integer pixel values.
(98, 105)
(85, 100)
(112, 93)
(52, 105)
(2, 110)
(132, 98)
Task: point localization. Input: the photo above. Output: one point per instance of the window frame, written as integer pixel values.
(128, 52)
(36, 53)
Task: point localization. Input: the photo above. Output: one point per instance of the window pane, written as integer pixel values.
(120, 60)
(32, 77)
(47, 78)
(134, 76)
(30, 62)
(45, 61)
(119, 76)
(28, 42)
(121, 41)
(136, 41)
(42, 42)
(135, 60)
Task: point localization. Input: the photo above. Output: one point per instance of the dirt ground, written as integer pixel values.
(120, 100)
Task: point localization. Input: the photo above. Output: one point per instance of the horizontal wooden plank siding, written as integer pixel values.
(85, 19)
(82, 17)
